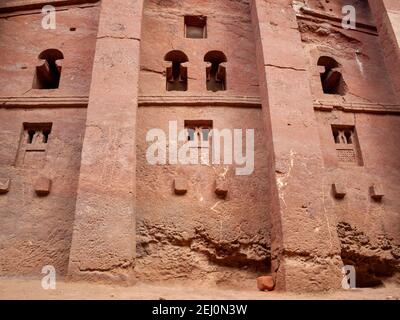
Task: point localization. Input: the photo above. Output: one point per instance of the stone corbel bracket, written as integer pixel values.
(4, 185)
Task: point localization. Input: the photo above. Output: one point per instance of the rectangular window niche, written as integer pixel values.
(347, 145)
(33, 144)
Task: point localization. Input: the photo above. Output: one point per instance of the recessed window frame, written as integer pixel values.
(346, 142)
(195, 27)
(48, 73)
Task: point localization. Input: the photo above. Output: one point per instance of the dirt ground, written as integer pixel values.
(27, 289)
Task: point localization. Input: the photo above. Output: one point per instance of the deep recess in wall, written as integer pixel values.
(48, 74)
(176, 74)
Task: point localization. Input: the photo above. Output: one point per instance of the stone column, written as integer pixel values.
(387, 18)
(103, 241)
(305, 245)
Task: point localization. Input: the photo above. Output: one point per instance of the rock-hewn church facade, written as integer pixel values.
(78, 99)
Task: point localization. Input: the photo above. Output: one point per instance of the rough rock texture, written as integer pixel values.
(200, 235)
(373, 259)
(103, 242)
(355, 51)
(369, 88)
(323, 101)
(164, 253)
(199, 225)
(305, 249)
(24, 30)
(229, 30)
(36, 231)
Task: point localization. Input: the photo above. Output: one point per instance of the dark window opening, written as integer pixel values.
(199, 131)
(343, 135)
(37, 133)
(331, 78)
(46, 134)
(347, 146)
(215, 71)
(196, 27)
(48, 73)
(31, 133)
(349, 136)
(177, 74)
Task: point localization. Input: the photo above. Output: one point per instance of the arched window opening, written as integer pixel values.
(331, 76)
(48, 73)
(215, 71)
(177, 75)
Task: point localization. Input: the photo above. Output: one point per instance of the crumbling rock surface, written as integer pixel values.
(373, 260)
(242, 250)
(329, 36)
(197, 252)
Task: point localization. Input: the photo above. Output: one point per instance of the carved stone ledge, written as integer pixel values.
(357, 107)
(180, 186)
(4, 185)
(20, 5)
(43, 186)
(235, 101)
(44, 102)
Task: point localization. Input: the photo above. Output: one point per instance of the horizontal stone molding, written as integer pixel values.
(82, 101)
(22, 5)
(212, 101)
(359, 107)
(44, 102)
(232, 101)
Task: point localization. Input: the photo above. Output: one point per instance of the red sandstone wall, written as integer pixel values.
(369, 231)
(229, 30)
(378, 139)
(366, 76)
(198, 235)
(25, 32)
(36, 231)
(334, 8)
(358, 53)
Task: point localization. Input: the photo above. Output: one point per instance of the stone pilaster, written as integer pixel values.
(305, 245)
(103, 242)
(387, 18)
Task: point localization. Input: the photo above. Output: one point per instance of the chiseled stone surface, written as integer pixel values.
(103, 241)
(304, 232)
(323, 101)
(30, 39)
